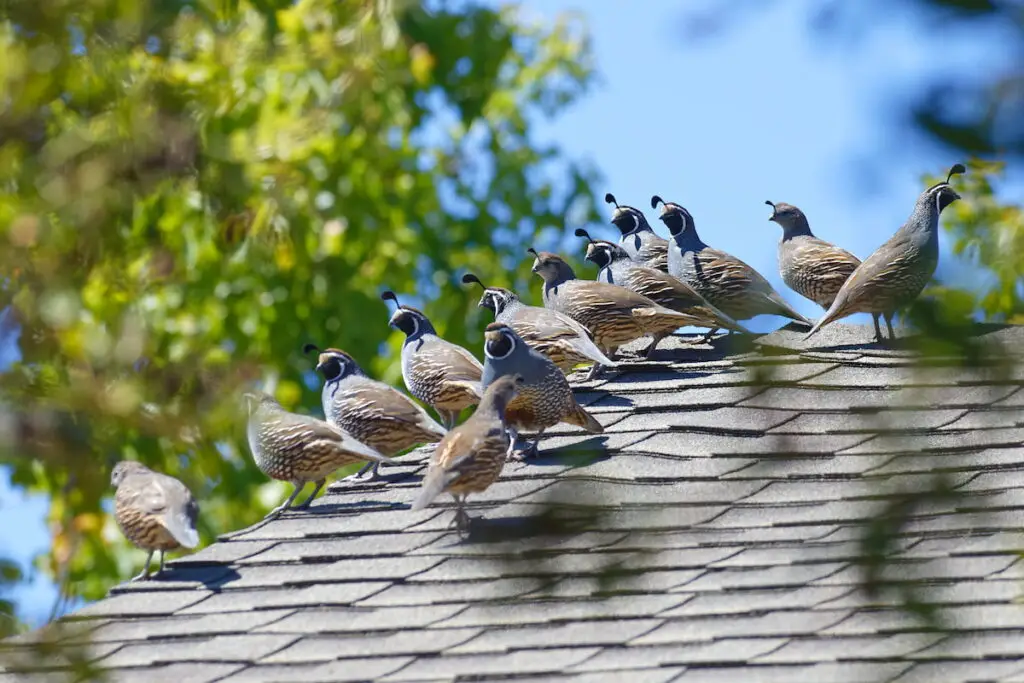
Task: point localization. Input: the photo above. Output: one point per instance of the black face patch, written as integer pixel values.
(674, 221)
(946, 197)
(626, 221)
(332, 368)
(406, 323)
(500, 347)
(599, 256)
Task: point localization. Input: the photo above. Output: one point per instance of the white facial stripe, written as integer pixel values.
(636, 221)
(511, 348)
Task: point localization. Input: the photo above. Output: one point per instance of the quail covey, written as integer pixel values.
(727, 282)
(470, 457)
(544, 399)
(154, 511)
(613, 314)
(638, 238)
(894, 275)
(443, 375)
(373, 412)
(617, 268)
(810, 266)
(299, 448)
(557, 336)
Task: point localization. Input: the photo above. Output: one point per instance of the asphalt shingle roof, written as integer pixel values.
(713, 533)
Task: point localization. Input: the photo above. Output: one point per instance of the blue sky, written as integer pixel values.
(770, 109)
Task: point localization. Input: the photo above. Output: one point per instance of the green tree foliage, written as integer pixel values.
(192, 190)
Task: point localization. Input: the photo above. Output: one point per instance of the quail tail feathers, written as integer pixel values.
(581, 418)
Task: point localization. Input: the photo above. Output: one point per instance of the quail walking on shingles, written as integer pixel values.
(443, 375)
(154, 511)
(298, 448)
(544, 399)
(557, 336)
(638, 237)
(810, 266)
(894, 275)
(470, 457)
(613, 314)
(616, 268)
(373, 412)
(724, 280)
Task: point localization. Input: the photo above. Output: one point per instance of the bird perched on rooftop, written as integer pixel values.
(613, 314)
(373, 412)
(443, 375)
(810, 266)
(617, 268)
(471, 456)
(154, 511)
(544, 399)
(724, 280)
(638, 237)
(557, 336)
(894, 275)
(299, 448)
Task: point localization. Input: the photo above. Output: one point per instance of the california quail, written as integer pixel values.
(373, 412)
(154, 511)
(638, 237)
(727, 282)
(894, 275)
(544, 399)
(617, 268)
(810, 266)
(557, 336)
(443, 375)
(299, 448)
(471, 456)
(613, 314)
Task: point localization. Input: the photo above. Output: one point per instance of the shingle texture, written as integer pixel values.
(715, 532)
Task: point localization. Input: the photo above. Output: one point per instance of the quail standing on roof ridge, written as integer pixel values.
(373, 412)
(544, 399)
(896, 273)
(299, 448)
(470, 457)
(638, 237)
(443, 375)
(616, 268)
(154, 511)
(614, 315)
(557, 336)
(727, 282)
(810, 266)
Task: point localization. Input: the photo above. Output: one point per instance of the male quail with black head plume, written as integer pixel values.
(617, 268)
(894, 275)
(544, 399)
(470, 457)
(154, 511)
(613, 314)
(727, 282)
(443, 375)
(810, 266)
(557, 336)
(375, 413)
(638, 237)
(298, 448)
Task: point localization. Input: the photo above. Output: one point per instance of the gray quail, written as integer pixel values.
(557, 336)
(470, 457)
(443, 375)
(154, 511)
(638, 237)
(724, 280)
(373, 412)
(299, 448)
(896, 273)
(544, 399)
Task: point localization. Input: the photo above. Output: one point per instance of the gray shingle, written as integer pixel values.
(325, 648)
(588, 634)
(151, 603)
(873, 422)
(702, 444)
(351, 619)
(551, 660)
(341, 671)
(320, 594)
(204, 672)
(242, 648)
(546, 611)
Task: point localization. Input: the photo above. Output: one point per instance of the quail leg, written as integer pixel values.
(888, 325)
(595, 370)
(709, 336)
(371, 467)
(462, 520)
(285, 505)
(654, 345)
(144, 574)
(304, 505)
(161, 569)
(878, 330)
(529, 452)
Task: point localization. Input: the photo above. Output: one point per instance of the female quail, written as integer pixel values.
(443, 375)
(375, 413)
(638, 238)
(299, 448)
(894, 275)
(544, 399)
(470, 457)
(557, 336)
(154, 511)
(727, 282)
